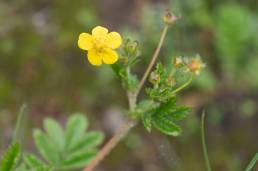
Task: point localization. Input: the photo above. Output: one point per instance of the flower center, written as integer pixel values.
(99, 43)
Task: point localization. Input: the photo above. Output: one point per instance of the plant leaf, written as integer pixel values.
(252, 163)
(179, 113)
(78, 160)
(75, 129)
(166, 115)
(79, 147)
(10, 158)
(90, 140)
(55, 133)
(166, 126)
(46, 147)
(33, 162)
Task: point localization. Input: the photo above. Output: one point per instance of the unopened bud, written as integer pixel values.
(178, 62)
(131, 47)
(169, 18)
(154, 78)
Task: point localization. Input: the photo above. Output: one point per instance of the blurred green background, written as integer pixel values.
(41, 65)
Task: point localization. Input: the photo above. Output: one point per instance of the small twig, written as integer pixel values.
(204, 146)
(110, 145)
(153, 60)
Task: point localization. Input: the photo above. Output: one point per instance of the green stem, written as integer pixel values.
(183, 86)
(18, 123)
(153, 60)
(204, 146)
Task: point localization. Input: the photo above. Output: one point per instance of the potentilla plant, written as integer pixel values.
(72, 147)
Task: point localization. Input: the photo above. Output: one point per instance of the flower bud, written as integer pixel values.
(131, 47)
(169, 18)
(178, 62)
(154, 78)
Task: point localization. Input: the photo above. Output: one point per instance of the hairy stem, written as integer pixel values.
(204, 146)
(110, 144)
(153, 60)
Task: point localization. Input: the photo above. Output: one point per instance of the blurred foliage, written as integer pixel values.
(41, 65)
(62, 150)
(69, 149)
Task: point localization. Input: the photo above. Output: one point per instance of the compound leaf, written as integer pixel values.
(78, 160)
(55, 133)
(75, 129)
(46, 147)
(10, 158)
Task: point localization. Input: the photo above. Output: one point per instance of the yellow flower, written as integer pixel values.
(100, 45)
(195, 65)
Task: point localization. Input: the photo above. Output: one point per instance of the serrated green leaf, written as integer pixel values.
(180, 113)
(46, 147)
(10, 158)
(167, 107)
(78, 160)
(32, 161)
(166, 126)
(55, 133)
(75, 129)
(90, 140)
(165, 116)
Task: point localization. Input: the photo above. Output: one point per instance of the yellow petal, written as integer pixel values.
(109, 56)
(94, 57)
(85, 41)
(113, 40)
(99, 31)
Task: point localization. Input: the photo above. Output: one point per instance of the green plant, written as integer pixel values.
(69, 149)
(73, 148)
(62, 149)
(252, 163)
(159, 108)
(10, 158)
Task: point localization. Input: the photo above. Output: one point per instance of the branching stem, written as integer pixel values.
(110, 145)
(153, 60)
(132, 98)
